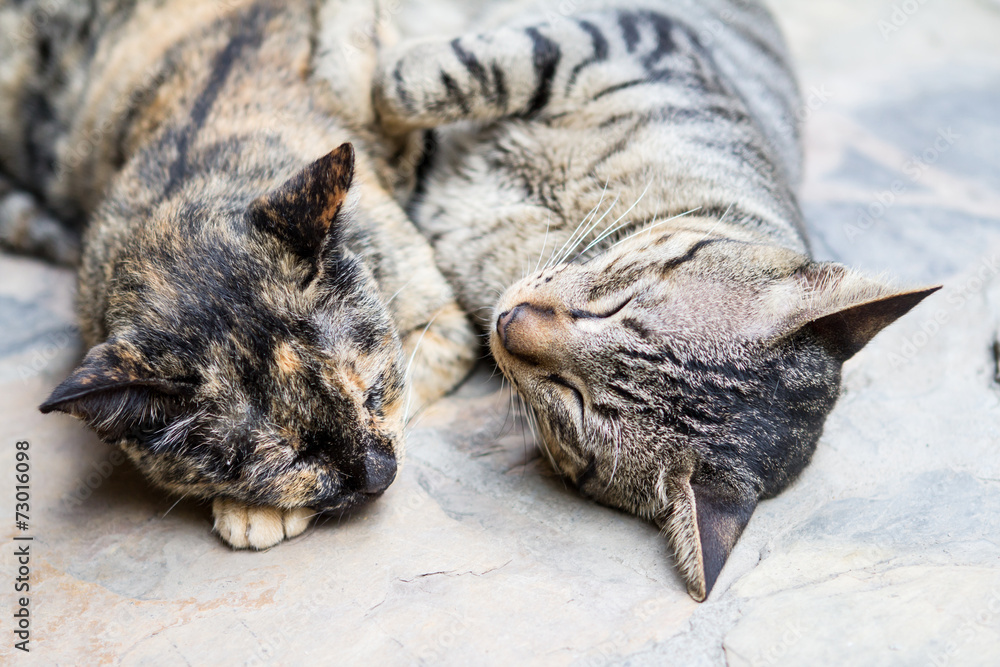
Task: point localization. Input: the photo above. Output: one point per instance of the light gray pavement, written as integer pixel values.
(885, 552)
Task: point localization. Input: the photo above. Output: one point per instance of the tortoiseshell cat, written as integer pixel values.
(238, 276)
(680, 349)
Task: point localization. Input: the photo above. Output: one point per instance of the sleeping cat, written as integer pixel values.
(258, 307)
(623, 177)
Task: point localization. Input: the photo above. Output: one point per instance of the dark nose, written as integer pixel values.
(379, 471)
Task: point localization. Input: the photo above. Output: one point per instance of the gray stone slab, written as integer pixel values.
(883, 553)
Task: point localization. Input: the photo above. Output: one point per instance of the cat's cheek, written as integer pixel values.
(553, 441)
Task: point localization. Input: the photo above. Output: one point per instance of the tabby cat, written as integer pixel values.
(257, 305)
(624, 175)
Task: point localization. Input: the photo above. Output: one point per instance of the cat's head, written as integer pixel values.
(249, 355)
(684, 377)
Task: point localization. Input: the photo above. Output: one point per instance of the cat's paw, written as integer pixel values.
(244, 526)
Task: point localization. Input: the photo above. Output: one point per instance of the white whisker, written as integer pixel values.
(409, 366)
(545, 240)
(174, 505)
(614, 226)
(554, 258)
(399, 290)
(617, 438)
(718, 222)
(589, 229)
(661, 222)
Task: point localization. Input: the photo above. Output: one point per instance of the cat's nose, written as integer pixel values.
(504, 320)
(379, 471)
(526, 330)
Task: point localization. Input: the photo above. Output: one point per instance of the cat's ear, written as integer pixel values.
(301, 212)
(845, 309)
(111, 388)
(703, 525)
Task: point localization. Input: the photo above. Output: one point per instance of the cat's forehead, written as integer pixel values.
(669, 255)
(681, 283)
(244, 336)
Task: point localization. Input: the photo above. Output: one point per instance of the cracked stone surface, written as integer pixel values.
(885, 552)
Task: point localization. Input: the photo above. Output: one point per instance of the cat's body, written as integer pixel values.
(252, 313)
(622, 177)
(637, 114)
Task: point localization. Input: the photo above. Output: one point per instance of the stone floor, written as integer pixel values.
(885, 552)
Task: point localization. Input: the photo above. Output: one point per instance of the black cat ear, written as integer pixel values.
(846, 331)
(109, 385)
(301, 212)
(845, 309)
(703, 526)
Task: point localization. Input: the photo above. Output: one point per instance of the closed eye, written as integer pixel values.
(562, 382)
(373, 399)
(586, 314)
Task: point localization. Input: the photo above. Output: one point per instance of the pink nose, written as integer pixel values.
(516, 326)
(532, 332)
(504, 321)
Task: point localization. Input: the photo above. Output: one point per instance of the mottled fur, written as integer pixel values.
(27, 228)
(624, 176)
(252, 295)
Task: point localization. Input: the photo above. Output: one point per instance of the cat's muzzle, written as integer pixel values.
(379, 472)
(522, 328)
(535, 334)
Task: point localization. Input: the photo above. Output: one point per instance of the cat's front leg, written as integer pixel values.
(244, 526)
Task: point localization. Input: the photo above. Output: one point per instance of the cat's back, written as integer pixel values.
(738, 40)
(82, 85)
(614, 115)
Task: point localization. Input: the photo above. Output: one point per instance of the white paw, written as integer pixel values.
(245, 526)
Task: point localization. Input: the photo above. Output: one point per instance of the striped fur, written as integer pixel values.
(252, 294)
(623, 178)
